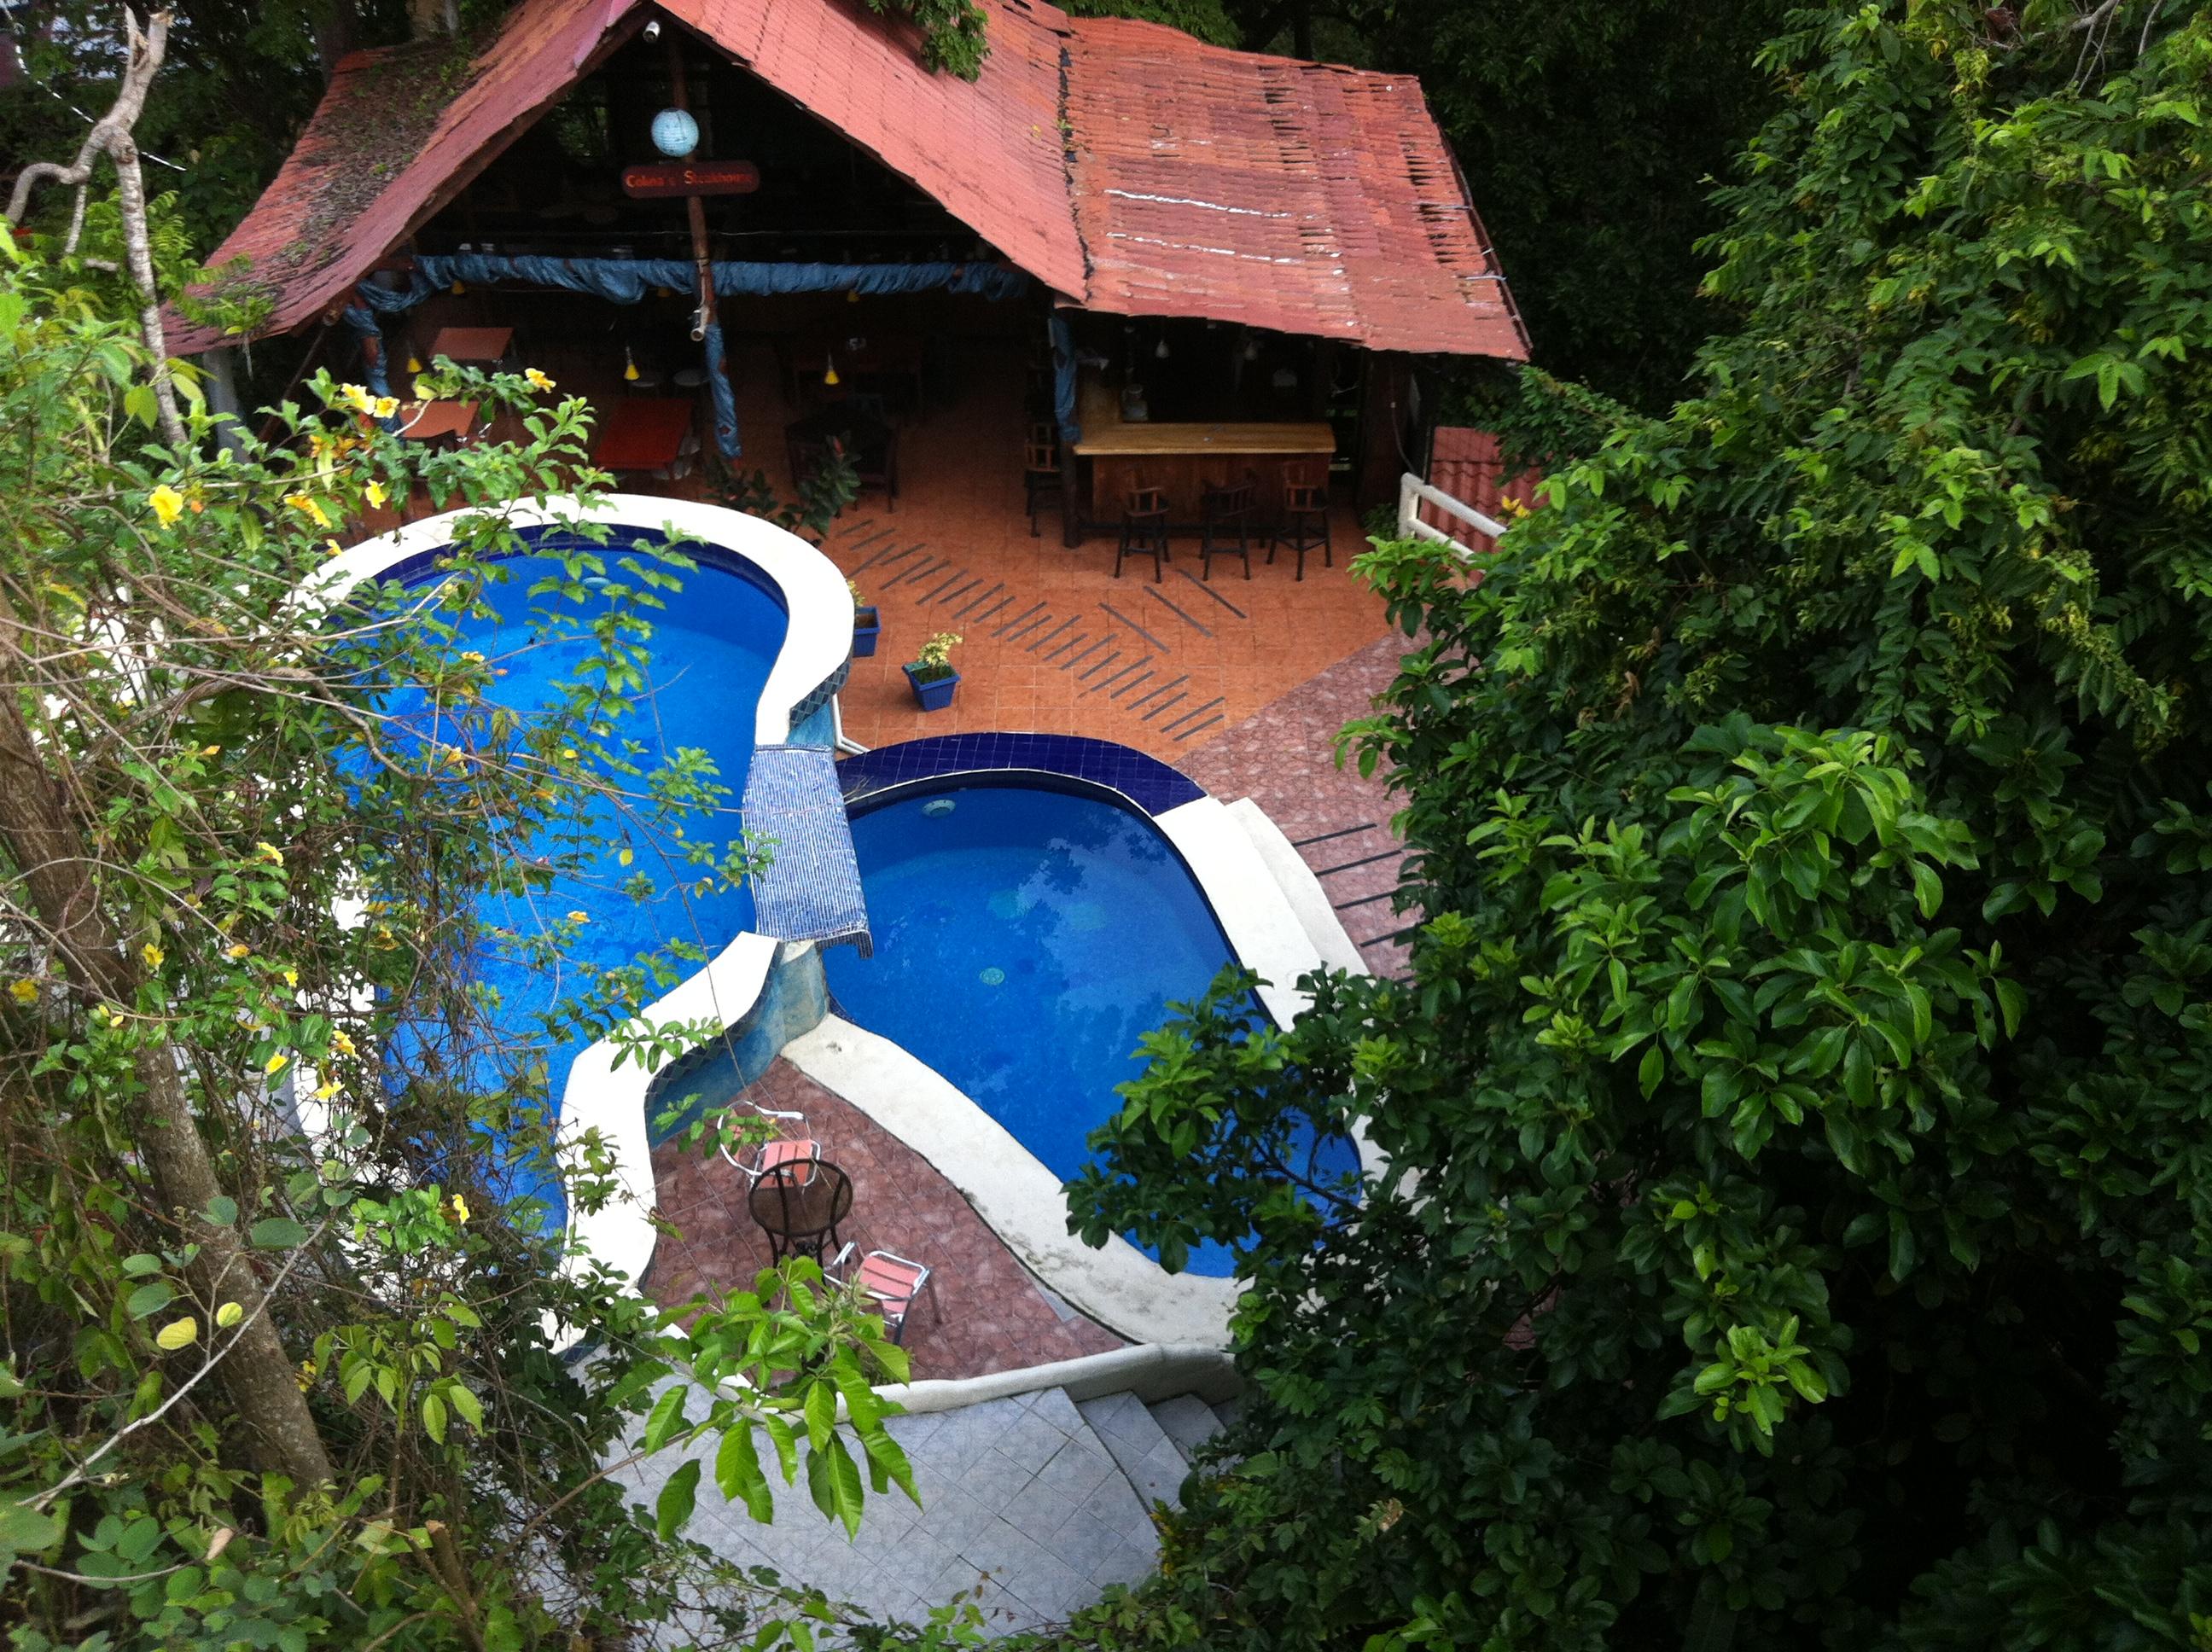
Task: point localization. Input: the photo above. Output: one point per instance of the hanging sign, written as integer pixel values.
(653, 180)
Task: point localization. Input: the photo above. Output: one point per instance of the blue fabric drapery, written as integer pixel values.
(627, 281)
(1063, 378)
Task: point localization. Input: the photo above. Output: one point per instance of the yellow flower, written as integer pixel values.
(306, 1375)
(274, 1064)
(538, 380)
(308, 507)
(460, 1208)
(167, 505)
(374, 492)
(324, 1092)
(291, 978)
(152, 954)
(24, 992)
(387, 406)
(210, 751)
(580, 916)
(341, 1043)
(332, 548)
(270, 853)
(357, 397)
(237, 949)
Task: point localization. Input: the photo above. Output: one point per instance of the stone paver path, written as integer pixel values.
(1019, 1499)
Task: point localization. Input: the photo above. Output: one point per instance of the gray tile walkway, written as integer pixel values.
(1019, 1497)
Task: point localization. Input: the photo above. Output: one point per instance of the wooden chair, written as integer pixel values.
(1226, 507)
(1304, 521)
(1040, 470)
(1143, 528)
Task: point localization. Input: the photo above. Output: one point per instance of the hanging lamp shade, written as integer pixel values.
(629, 366)
(458, 289)
(414, 363)
(675, 133)
(830, 376)
(852, 295)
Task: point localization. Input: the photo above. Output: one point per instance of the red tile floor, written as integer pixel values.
(989, 1314)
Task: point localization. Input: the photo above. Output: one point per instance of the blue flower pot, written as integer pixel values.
(867, 627)
(934, 694)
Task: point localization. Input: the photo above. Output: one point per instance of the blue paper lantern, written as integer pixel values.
(675, 134)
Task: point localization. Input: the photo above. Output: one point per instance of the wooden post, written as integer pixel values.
(695, 208)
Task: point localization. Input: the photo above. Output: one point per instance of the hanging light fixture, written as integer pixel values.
(1160, 350)
(458, 289)
(414, 363)
(852, 295)
(675, 133)
(629, 366)
(1251, 347)
(830, 376)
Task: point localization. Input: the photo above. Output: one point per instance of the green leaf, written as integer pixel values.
(665, 1419)
(223, 1210)
(149, 1299)
(277, 1233)
(433, 1417)
(738, 1472)
(671, 1509)
(24, 1530)
(834, 1478)
(821, 1414)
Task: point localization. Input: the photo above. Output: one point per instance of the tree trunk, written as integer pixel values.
(51, 858)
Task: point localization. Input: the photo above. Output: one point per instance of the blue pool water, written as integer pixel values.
(1025, 939)
(710, 653)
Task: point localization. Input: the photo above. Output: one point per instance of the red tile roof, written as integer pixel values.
(1125, 165)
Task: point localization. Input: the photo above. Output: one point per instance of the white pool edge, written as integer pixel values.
(818, 640)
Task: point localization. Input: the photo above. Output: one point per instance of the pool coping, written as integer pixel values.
(815, 651)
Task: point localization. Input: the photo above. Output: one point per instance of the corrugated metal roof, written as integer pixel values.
(1283, 194)
(1135, 169)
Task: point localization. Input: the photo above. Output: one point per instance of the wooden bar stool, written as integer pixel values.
(1040, 470)
(1305, 513)
(1225, 508)
(1143, 528)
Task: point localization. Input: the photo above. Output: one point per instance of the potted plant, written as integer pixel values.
(865, 625)
(931, 675)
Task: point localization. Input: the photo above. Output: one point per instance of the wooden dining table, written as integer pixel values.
(450, 422)
(643, 432)
(473, 346)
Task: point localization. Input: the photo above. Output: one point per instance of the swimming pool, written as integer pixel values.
(709, 657)
(1026, 935)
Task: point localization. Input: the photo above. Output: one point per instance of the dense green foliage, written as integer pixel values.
(283, 1322)
(1799, 1224)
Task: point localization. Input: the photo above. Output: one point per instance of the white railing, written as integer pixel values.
(1413, 493)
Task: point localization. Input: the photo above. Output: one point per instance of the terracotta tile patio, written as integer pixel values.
(991, 1317)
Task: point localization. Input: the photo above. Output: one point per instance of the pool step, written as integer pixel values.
(1147, 1455)
(1309, 901)
(1187, 1420)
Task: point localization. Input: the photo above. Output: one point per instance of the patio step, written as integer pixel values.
(1147, 1456)
(1187, 1420)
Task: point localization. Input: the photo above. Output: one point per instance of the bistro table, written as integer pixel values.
(643, 432)
(798, 1205)
(473, 346)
